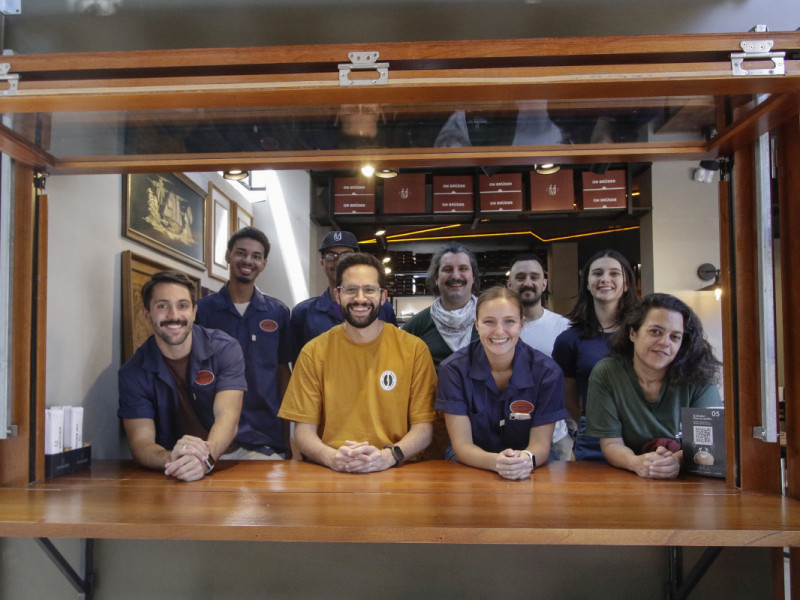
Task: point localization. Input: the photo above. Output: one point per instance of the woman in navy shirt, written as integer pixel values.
(606, 292)
(501, 398)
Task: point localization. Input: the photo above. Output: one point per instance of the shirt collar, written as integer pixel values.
(521, 376)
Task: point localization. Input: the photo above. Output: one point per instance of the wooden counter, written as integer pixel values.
(432, 502)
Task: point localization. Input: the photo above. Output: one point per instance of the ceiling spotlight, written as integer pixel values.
(380, 232)
(386, 259)
(367, 170)
(386, 173)
(387, 270)
(235, 174)
(547, 168)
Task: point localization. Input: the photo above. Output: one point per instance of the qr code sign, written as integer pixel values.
(703, 435)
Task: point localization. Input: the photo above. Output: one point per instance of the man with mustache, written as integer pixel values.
(527, 277)
(181, 394)
(261, 325)
(316, 315)
(361, 394)
(449, 323)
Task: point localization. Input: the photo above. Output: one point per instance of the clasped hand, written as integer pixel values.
(187, 459)
(661, 464)
(513, 464)
(361, 457)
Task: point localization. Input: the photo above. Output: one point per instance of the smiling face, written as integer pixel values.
(359, 309)
(499, 322)
(658, 340)
(171, 314)
(246, 260)
(606, 280)
(527, 279)
(454, 280)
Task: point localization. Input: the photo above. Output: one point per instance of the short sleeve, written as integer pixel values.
(303, 399)
(423, 386)
(134, 401)
(565, 353)
(230, 367)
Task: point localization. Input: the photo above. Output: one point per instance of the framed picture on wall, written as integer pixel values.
(165, 212)
(219, 225)
(241, 219)
(136, 271)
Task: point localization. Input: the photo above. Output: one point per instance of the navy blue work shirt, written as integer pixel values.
(466, 387)
(147, 387)
(263, 333)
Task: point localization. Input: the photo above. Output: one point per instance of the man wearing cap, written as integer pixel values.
(180, 394)
(261, 325)
(317, 315)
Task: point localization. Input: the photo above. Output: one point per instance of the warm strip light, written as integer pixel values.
(541, 239)
(397, 235)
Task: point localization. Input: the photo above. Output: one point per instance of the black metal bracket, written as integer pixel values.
(83, 582)
(680, 588)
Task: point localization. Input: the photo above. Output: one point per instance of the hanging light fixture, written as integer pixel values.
(367, 170)
(386, 173)
(235, 175)
(547, 168)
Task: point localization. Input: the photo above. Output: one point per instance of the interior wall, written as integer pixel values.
(85, 296)
(684, 233)
(178, 570)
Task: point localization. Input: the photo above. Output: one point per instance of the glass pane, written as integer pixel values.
(76, 136)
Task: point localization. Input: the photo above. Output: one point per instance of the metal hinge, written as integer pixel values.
(754, 50)
(11, 78)
(363, 61)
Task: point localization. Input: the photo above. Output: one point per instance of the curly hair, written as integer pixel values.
(436, 263)
(583, 315)
(695, 362)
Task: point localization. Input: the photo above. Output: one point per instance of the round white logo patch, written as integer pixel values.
(388, 380)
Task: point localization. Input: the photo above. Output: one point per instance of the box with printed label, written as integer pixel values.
(353, 195)
(607, 190)
(552, 192)
(502, 192)
(404, 194)
(453, 194)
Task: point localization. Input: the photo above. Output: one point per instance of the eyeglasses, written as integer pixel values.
(352, 290)
(332, 256)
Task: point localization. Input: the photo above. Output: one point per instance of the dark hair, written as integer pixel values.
(436, 263)
(495, 292)
(360, 258)
(250, 233)
(529, 256)
(169, 276)
(695, 362)
(582, 314)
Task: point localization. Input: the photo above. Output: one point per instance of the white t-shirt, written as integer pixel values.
(541, 334)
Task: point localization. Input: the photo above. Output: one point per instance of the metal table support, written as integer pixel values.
(680, 588)
(83, 582)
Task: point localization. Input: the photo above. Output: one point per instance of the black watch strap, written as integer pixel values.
(399, 457)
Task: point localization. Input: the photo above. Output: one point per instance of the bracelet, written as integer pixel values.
(533, 458)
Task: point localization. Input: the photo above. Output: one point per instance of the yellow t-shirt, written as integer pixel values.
(362, 392)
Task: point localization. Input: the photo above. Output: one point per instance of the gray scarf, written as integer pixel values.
(455, 326)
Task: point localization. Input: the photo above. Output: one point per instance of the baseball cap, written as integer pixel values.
(339, 238)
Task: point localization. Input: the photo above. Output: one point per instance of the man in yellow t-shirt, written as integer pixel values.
(362, 393)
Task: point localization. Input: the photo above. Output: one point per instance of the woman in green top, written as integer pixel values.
(660, 362)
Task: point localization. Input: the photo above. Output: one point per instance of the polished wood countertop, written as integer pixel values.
(430, 502)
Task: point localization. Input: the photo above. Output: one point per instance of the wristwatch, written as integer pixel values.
(210, 463)
(533, 459)
(399, 457)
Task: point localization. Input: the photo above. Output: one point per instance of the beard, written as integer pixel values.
(361, 321)
(161, 331)
(530, 300)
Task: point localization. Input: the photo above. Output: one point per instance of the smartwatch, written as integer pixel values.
(210, 463)
(533, 459)
(399, 457)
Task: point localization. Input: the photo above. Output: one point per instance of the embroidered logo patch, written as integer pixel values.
(388, 380)
(521, 406)
(204, 377)
(337, 236)
(268, 325)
